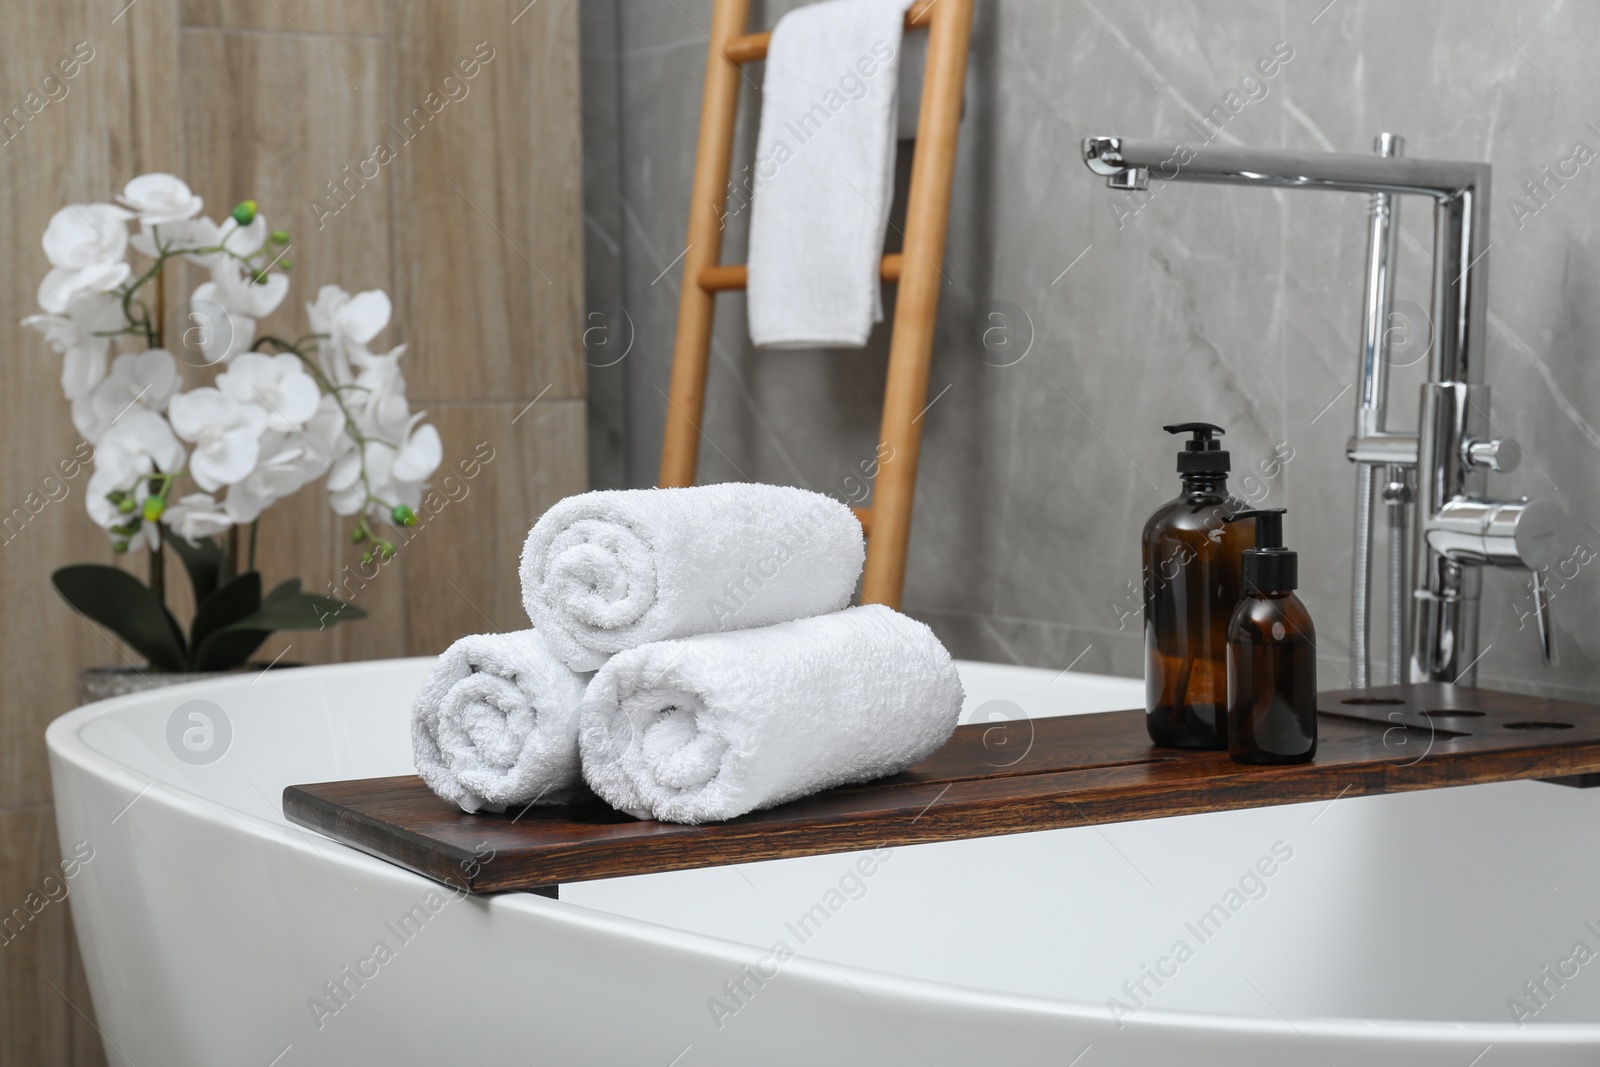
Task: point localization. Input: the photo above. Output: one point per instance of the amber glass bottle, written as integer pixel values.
(1272, 655)
(1191, 586)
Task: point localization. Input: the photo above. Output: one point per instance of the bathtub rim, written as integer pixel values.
(63, 738)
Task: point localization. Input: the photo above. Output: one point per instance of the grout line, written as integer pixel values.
(27, 805)
(261, 31)
(487, 401)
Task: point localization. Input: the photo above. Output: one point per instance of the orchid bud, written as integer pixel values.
(115, 496)
(403, 515)
(125, 505)
(280, 237)
(245, 213)
(357, 536)
(120, 545)
(284, 264)
(154, 507)
(366, 557)
(387, 549)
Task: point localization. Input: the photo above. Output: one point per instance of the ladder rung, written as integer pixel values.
(753, 46)
(737, 276)
(865, 515)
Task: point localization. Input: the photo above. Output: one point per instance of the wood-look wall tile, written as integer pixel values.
(275, 117)
(38, 999)
(290, 16)
(85, 136)
(505, 464)
(488, 209)
(85, 1046)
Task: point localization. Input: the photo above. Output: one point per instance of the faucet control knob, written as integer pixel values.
(1496, 453)
(1522, 533)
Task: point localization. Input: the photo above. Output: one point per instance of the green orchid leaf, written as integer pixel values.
(203, 561)
(226, 649)
(125, 605)
(233, 601)
(294, 610)
(280, 591)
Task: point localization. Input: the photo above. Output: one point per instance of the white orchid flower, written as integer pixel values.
(349, 324)
(226, 435)
(177, 235)
(197, 515)
(277, 383)
(346, 491)
(379, 385)
(350, 320)
(86, 245)
(289, 462)
(105, 514)
(160, 198)
(420, 454)
(138, 444)
(63, 285)
(221, 333)
(82, 235)
(138, 380)
(244, 241)
(325, 432)
(393, 476)
(74, 336)
(238, 293)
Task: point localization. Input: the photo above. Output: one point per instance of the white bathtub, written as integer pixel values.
(1392, 930)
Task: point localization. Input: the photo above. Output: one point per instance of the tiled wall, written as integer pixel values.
(474, 230)
(1077, 321)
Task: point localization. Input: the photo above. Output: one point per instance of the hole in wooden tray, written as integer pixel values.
(1537, 725)
(1372, 700)
(911, 778)
(1432, 729)
(1452, 713)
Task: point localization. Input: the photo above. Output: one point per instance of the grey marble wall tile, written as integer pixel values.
(604, 332)
(1043, 452)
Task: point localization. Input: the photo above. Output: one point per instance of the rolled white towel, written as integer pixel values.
(715, 726)
(496, 723)
(614, 569)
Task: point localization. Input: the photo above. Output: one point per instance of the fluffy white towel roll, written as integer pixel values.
(715, 726)
(617, 568)
(496, 723)
(824, 174)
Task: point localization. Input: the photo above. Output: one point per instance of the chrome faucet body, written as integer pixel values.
(1458, 529)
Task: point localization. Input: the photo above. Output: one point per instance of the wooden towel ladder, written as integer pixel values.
(916, 269)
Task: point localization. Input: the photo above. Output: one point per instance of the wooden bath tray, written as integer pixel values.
(990, 779)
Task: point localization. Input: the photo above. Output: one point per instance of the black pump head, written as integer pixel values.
(1202, 453)
(1268, 566)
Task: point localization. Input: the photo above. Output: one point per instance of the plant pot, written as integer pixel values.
(103, 683)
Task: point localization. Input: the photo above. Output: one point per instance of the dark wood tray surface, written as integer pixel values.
(990, 779)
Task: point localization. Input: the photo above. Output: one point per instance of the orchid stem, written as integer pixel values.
(158, 573)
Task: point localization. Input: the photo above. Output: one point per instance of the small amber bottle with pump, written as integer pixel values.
(1272, 655)
(1191, 585)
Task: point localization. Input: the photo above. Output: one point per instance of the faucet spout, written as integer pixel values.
(1459, 191)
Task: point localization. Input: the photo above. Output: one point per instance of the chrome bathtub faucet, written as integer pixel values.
(1458, 528)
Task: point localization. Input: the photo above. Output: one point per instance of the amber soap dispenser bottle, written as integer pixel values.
(1272, 655)
(1191, 586)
